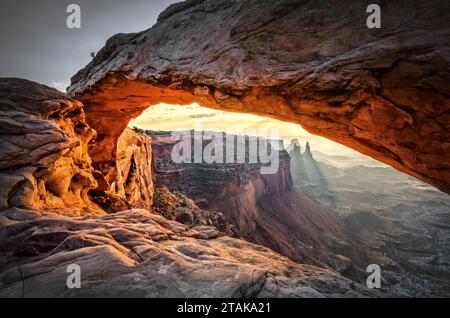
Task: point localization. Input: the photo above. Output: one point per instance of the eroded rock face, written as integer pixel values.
(383, 92)
(127, 181)
(134, 169)
(44, 162)
(231, 188)
(139, 254)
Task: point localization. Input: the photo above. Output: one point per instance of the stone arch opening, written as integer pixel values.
(382, 92)
(399, 145)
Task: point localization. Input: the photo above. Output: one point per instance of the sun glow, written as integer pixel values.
(177, 118)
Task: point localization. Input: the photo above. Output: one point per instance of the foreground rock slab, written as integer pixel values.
(136, 253)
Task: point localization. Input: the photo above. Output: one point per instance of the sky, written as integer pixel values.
(178, 118)
(36, 44)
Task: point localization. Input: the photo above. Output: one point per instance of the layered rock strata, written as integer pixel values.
(45, 162)
(44, 141)
(262, 208)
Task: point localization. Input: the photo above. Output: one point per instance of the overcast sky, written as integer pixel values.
(37, 45)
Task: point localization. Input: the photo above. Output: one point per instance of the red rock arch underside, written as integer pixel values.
(383, 92)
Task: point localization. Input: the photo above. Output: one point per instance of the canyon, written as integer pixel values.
(316, 213)
(262, 208)
(79, 187)
(389, 219)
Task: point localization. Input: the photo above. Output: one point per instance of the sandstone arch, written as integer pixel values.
(383, 92)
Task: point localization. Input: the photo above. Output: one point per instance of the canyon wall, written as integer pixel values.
(230, 188)
(263, 208)
(383, 92)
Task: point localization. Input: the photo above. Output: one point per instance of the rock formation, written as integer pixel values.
(383, 92)
(178, 207)
(48, 219)
(44, 139)
(294, 146)
(130, 183)
(307, 150)
(45, 164)
(65, 166)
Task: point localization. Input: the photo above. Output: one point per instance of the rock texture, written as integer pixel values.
(138, 254)
(48, 219)
(384, 92)
(127, 181)
(44, 161)
(176, 206)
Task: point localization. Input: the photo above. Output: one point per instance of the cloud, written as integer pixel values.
(61, 86)
(196, 116)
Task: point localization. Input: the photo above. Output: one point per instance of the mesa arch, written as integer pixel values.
(383, 92)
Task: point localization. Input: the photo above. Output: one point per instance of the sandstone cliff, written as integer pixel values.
(45, 162)
(231, 188)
